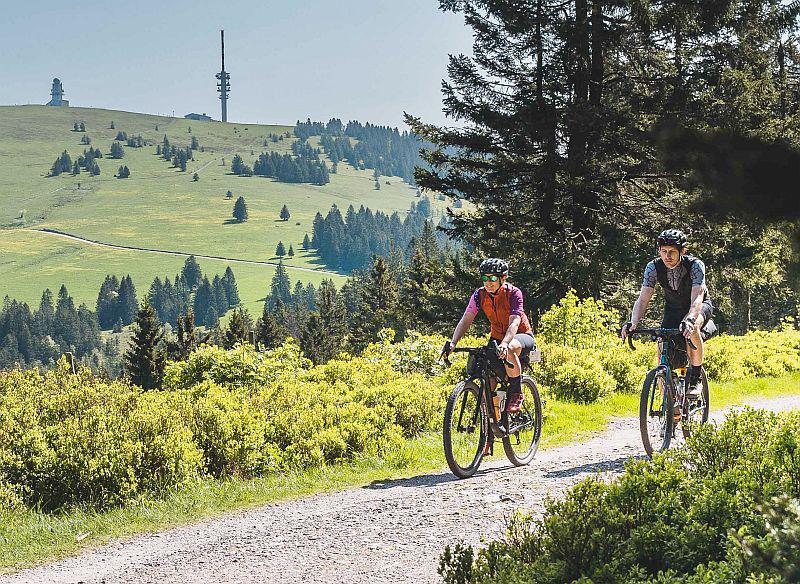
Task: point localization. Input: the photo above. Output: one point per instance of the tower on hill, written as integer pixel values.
(224, 85)
(57, 94)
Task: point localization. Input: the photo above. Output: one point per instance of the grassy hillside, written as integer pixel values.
(158, 207)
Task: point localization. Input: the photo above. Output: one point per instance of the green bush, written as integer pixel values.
(574, 374)
(578, 323)
(690, 516)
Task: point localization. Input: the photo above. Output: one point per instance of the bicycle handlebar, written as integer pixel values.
(655, 334)
(475, 350)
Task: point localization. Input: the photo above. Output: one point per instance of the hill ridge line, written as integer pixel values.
(66, 235)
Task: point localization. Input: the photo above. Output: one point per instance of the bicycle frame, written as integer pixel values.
(664, 336)
(497, 426)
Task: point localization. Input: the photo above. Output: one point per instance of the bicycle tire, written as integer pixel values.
(534, 412)
(687, 431)
(463, 390)
(668, 422)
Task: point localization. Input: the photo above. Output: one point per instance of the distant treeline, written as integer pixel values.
(208, 300)
(29, 337)
(348, 242)
(381, 148)
(304, 167)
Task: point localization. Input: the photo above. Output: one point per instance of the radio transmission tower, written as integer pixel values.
(224, 81)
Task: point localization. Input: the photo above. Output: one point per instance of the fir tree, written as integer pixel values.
(306, 242)
(269, 334)
(280, 288)
(117, 150)
(145, 358)
(238, 328)
(229, 195)
(280, 250)
(128, 303)
(291, 251)
(240, 210)
(285, 215)
(378, 296)
(191, 272)
(231, 289)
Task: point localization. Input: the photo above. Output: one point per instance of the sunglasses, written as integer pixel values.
(491, 278)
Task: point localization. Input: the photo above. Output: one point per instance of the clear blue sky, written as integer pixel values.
(355, 59)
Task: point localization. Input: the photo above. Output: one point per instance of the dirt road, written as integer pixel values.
(389, 532)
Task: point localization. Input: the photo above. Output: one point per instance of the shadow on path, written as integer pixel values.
(616, 465)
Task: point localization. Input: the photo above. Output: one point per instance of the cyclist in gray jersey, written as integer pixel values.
(687, 304)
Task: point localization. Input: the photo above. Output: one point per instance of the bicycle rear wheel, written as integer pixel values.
(525, 426)
(656, 420)
(465, 429)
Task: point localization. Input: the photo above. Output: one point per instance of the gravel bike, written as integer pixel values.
(475, 414)
(664, 403)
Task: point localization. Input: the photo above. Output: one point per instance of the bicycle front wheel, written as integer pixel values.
(465, 429)
(656, 421)
(698, 410)
(524, 426)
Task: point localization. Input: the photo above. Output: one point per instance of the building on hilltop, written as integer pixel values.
(199, 117)
(57, 94)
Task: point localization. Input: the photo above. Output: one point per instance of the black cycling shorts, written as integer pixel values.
(672, 317)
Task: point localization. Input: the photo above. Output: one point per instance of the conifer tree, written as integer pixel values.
(240, 210)
(306, 242)
(281, 287)
(231, 289)
(117, 150)
(145, 358)
(229, 195)
(285, 215)
(212, 317)
(191, 272)
(238, 328)
(378, 298)
(204, 301)
(128, 303)
(269, 333)
(291, 251)
(280, 250)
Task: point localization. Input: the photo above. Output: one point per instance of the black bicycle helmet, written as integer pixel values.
(494, 266)
(674, 237)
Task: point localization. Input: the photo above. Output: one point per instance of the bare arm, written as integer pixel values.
(462, 327)
(639, 309)
(640, 306)
(513, 325)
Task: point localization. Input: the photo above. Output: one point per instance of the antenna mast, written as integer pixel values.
(224, 81)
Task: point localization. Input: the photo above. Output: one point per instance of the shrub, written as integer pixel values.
(574, 375)
(665, 520)
(578, 323)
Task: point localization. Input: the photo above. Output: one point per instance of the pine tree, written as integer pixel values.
(280, 288)
(145, 358)
(285, 215)
(291, 251)
(229, 195)
(117, 150)
(107, 307)
(237, 329)
(280, 250)
(128, 303)
(269, 334)
(240, 210)
(378, 298)
(187, 335)
(306, 242)
(204, 301)
(328, 325)
(191, 272)
(231, 289)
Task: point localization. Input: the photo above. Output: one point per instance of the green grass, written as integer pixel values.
(29, 538)
(159, 207)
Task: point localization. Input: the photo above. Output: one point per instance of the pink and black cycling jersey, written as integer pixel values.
(499, 308)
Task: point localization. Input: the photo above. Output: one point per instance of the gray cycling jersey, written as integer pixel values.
(675, 275)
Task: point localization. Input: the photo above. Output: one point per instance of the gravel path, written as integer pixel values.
(388, 532)
(62, 234)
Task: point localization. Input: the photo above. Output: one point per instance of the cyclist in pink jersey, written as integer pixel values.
(502, 303)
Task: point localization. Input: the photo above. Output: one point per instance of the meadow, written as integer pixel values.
(158, 207)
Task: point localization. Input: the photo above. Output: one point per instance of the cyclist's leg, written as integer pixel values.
(696, 355)
(521, 342)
